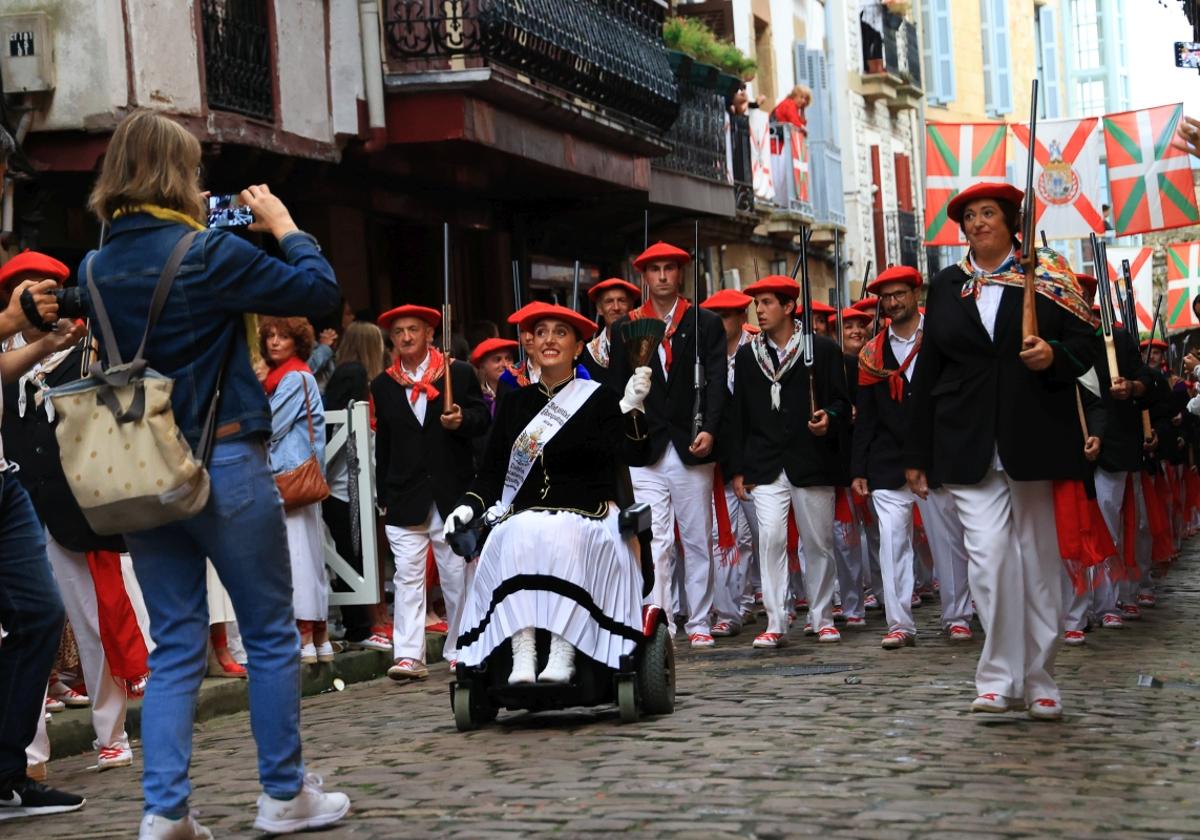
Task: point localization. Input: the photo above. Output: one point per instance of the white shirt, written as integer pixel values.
(901, 347)
(418, 407)
(662, 350)
(988, 301)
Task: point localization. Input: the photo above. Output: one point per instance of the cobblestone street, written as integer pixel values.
(881, 745)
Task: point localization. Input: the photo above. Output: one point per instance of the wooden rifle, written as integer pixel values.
(447, 343)
(837, 285)
(1029, 259)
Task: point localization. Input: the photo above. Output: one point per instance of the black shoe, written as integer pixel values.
(24, 797)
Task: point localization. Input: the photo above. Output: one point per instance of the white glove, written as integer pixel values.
(458, 519)
(636, 390)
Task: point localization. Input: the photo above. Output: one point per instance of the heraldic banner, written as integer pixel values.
(958, 155)
(1140, 265)
(1150, 180)
(1066, 176)
(1183, 278)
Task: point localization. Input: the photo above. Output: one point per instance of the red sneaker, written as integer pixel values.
(437, 627)
(769, 641)
(702, 640)
(828, 634)
(960, 633)
(1074, 637)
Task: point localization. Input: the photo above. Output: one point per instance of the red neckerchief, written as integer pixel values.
(425, 385)
(647, 311)
(276, 374)
(871, 368)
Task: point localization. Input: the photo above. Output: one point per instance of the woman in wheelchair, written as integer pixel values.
(548, 486)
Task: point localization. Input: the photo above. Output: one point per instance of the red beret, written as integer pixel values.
(750, 328)
(635, 294)
(820, 308)
(775, 284)
(409, 310)
(515, 318)
(851, 314)
(31, 262)
(1087, 281)
(868, 305)
(727, 299)
(662, 251)
(1155, 343)
(988, 189)
(490, 346)
(896, 274)
(541, 311)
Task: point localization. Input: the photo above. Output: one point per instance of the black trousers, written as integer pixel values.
(357, 617)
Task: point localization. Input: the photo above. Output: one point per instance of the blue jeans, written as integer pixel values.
(241, 531)
(31, 611)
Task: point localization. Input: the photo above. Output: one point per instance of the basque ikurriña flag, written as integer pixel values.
(1150, 180)
(957, 155)
(1183, 278)
(1066, 176)
(800, 162)
(1140, 265)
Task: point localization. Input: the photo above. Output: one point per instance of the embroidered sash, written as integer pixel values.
(534, 438)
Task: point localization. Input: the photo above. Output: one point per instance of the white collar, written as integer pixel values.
(421, 368)
(1012, 252)
(920, 326)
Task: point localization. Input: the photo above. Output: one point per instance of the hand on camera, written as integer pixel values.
(458, 519)
(270, 216)
(44, 300)
(636, 390)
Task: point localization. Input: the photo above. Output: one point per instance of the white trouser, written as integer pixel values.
(893, 509)
(1101, 596)
(922, 562)
(813, 509)
(730, 567)
(79, 597)
(849, 554)
(1016, 579)
(38, 751)
(950, 563)
(409, 549)
(680, 493)
(1143, 546)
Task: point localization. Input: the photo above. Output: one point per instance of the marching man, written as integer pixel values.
(423, 463)
(613, 298)
(784, 452)
(676, 479)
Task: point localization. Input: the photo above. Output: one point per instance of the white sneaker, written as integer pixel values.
(311, 808)
(560, 665)
(308, 654)
(114, 755)
(155, 827)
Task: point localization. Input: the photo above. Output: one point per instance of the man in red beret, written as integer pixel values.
(613, 298)
(676, 479)
(784, 452)
(886, 367)
(424, 463)
(735, 526)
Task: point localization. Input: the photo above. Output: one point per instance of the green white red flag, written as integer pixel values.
(1183, 283)
(1066, 176)
(1150, 180)
(958, 155)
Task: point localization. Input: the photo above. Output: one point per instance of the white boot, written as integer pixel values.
(524, 653)
(561, 664)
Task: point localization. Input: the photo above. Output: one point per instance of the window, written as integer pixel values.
(997, 76)
(938, 52)
(1089, 97)
(1086, 35)
(1051, 84)
(238, 67)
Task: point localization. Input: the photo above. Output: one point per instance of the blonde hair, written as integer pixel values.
(150, 160)
(802, 92)
(362, 342)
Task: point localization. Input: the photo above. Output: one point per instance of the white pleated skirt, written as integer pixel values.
(306, 548)
(560, 572)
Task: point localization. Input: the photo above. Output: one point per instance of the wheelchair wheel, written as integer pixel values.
(471, 707)
(627, 700)
(656, 674)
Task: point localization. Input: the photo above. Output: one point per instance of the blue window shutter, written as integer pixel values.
(929, 55)
(800, 62)
(819, 127)
(989, 57)
(1051, 83)
(945, 47)
(1003, 57)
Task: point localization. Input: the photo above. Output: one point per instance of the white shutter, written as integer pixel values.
(989, 59)
(1002, 58)
(1051, 83)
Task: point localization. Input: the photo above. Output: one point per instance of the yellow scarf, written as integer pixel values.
(166, 214)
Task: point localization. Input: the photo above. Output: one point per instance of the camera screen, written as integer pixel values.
(228, 211)
(1187, 54)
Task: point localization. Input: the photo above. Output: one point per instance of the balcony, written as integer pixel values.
(791, 173)
(595, 67)
(896, 77)
(715, 164)
(238, 70)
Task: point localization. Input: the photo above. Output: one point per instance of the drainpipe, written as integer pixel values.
(371, 37)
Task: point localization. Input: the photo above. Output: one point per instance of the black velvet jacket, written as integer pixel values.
(577, 470)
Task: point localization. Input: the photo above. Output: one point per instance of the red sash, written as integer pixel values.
(1083, 538)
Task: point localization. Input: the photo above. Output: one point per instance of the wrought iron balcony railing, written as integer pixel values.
(742, 169)
(697, 138)
(791, 169)
(237, 57)
(609, 52)
(901, 51)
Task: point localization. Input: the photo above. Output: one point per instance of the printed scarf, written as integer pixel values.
(647, 311)
(1054, 281)
(600, 347)
(437, 367)
(871, 367)
(787, 359)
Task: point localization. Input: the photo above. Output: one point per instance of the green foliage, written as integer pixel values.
(690, 36)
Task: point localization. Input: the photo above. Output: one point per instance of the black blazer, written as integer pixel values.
(766, 441)
(972, 395)
(30, 442)
(879, 430)
(596, 371)
(1121, 430)
(669, 405)
(419, 464)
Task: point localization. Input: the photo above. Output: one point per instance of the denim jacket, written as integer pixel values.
(221, 278)
(289, 446)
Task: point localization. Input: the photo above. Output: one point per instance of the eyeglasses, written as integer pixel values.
(896, 296)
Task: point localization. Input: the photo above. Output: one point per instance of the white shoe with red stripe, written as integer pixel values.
(1045, 708)
(702, 640)
(828, 634)
(68, 696)
(769, 641)
(960, 633)
(114, 755)
(1074, 637)
(725, 628)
